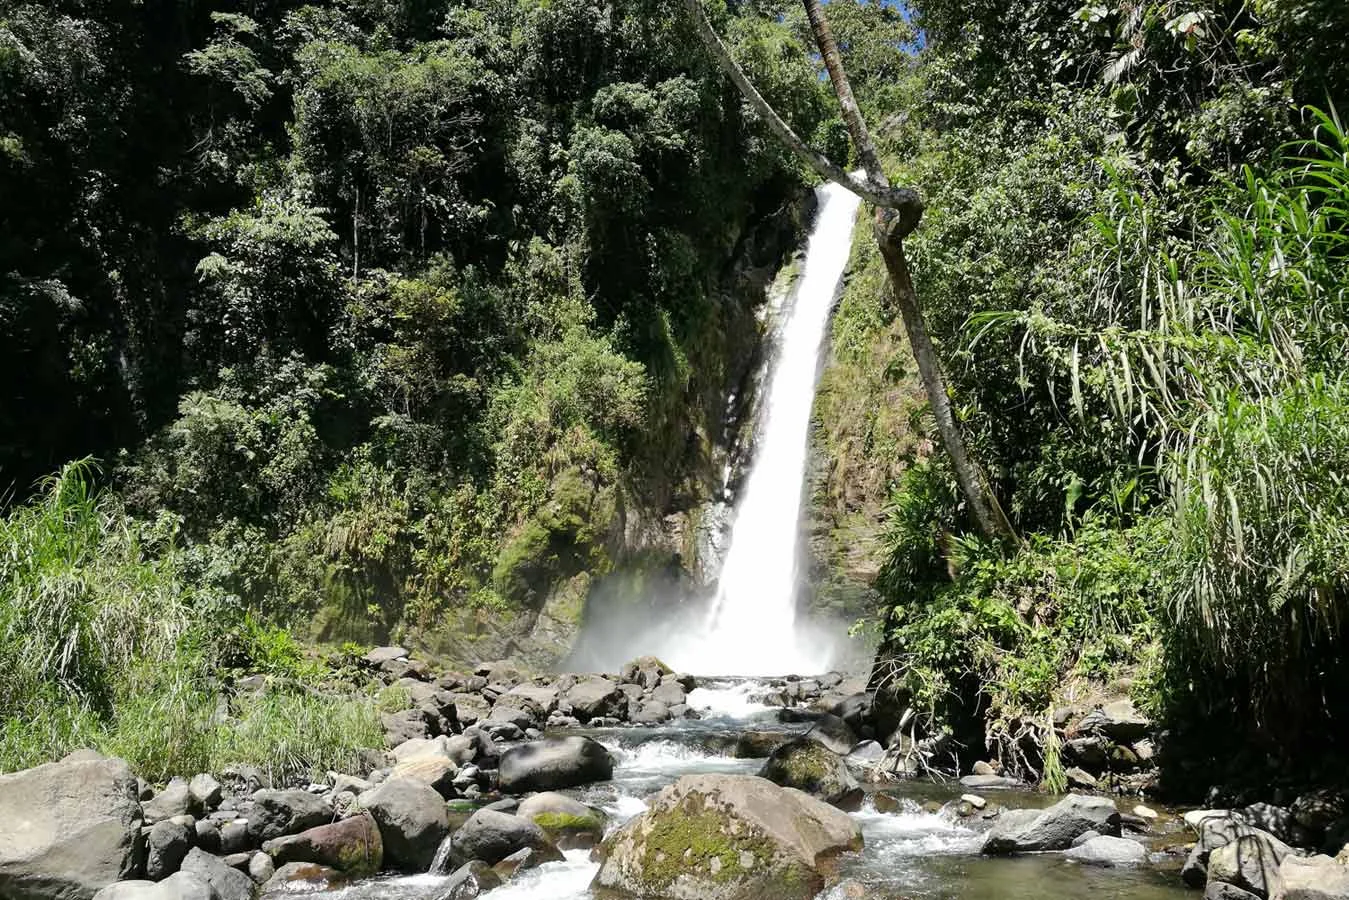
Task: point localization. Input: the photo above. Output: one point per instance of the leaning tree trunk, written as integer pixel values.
(897, 213)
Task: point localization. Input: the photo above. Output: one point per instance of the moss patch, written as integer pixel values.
(566, 823)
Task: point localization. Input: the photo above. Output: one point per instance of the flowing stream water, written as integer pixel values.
(910, 852)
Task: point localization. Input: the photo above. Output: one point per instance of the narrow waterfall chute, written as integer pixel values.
(751, 627)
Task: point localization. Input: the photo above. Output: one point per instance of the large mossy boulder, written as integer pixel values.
(810, 766)
(68, 829)
(726, 837)
(554, 764)
(1055, 828)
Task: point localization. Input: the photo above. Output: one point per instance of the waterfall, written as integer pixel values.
(751, 627)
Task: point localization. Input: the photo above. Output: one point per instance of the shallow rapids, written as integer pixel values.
(910, 852)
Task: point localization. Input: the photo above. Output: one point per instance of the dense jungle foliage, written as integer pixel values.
(1134, 258)
(393, 317)
(376, 316)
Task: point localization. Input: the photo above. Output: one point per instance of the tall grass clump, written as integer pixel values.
(105, 643)
(86, 597)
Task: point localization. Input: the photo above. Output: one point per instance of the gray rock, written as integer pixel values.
(1313, 878)
(1080, 777)
(1088, 751)
(277, 813)
(381, 655)
(1103, 850)
(229, 883)
(471, 708)
(469, 881)
(810, 766)
(596, 698)
(492, 836)
(1217, 890)
(207, 836)
(401, 727)
(670, 693)
(989, 782)
(431, 769)
(68, 829)
(412, 821)
(553, 764)
(538, 699)
(179, 886)
(235, 837)
(206, 792)
(167, 845)
(504, 713)
(175, 800)
(1119, 721)
(301, 879)
(770, 842)
(569, 823)
(1216, 828)
(353, 846)
(261, 868)
(1054, 828)
(834, 733)
(1250, 861)
(652, 712)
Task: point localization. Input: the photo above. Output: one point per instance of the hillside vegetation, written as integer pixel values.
(1133, 258)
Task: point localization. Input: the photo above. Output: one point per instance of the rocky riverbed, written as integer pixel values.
(640, 783)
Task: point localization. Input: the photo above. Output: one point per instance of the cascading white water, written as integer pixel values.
(751, 629)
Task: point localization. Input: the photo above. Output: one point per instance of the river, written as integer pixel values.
(909, 852)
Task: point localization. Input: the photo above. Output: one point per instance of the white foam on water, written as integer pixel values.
(729, 702)
(566, 880)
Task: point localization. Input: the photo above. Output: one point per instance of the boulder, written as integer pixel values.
(1080, 778)
(596, 698)
(68, 829)
(1118, 720)
(1216, 828)
(491, 836)
(834, 733)
(569, 823)
(1103, 850)
(810, 766)
(759, 744)
(469, 881)
(632, 670)
(1316, 810)
(412, 822)
(1217, 890)
(353, 846)
(206, 792)
(538, 699)
(301, 879)
(553, 764)
(175, 800)
(652, 712)
(380, 655)
(1314, 878)
(432, 769)
(276, 813)
(1054, 828)
(261, 868)
(471, 708)
(401, 727)
(229, 883)
(670, 693)
(179, 886)
(718, 837)
(855, 709)
(989, 782)
(167, 844)
(1250, 862)
(521, 861)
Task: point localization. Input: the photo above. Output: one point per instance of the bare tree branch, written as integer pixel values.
(883, 195)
